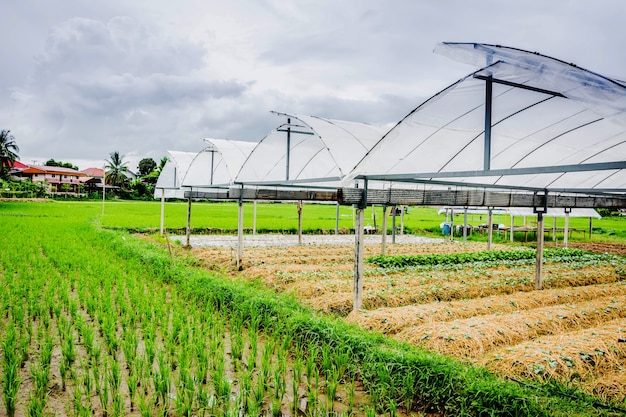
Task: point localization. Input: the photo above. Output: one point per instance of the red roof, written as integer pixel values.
(93, 172)
(17, 165)
(52, 170)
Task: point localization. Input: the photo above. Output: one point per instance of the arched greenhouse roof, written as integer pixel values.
(218, 163)
(308, 149)
(522, 120)
(172, 174)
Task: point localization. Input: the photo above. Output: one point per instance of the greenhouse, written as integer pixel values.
(217, 164)
(522, 130)
(308, 149)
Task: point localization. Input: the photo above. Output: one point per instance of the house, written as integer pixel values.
(59, 179)
(93, 180)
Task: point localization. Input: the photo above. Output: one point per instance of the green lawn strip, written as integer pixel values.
(407, 261)
(391, 371)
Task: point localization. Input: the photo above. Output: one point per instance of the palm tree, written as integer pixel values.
(116, 169)
(8, 149)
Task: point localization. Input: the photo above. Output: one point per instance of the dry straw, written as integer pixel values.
(474, 337)
(393, 320)
(579, 355)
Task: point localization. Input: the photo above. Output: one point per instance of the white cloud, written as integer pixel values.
(144, 76)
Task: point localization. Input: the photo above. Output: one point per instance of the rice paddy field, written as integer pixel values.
(97, 320)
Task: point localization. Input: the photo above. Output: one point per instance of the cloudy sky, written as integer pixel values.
(80, 79)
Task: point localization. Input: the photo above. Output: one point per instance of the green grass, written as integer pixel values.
(221, 217)
(63, 238)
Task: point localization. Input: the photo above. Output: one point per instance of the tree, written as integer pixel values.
(8, 152)
(116, 170)
(52, 163)
(146, 166)
(162, 163)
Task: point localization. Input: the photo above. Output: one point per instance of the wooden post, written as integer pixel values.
(189, 220)
(240, 234)
(162, 210)
(566, 228)
(358, 259)
(489, 227)
(299, 223)
(384, 232)
(337, 219)
(539, 263)
(512, 228)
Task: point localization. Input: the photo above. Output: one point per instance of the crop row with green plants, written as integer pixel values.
(485, 257)
(131, 330)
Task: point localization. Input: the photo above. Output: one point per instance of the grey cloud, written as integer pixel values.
(86, 46)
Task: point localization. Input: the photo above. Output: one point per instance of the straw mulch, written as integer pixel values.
(474, 337)
(391, 320)
(579, 355)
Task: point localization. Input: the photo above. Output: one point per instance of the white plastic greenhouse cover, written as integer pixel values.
(321, 150)
(554, 126)
(218, 163)
(173, 173)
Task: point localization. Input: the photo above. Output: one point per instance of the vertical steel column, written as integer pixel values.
(383, 248)
(489, 227)
(465, 224)
(288, 147)
(189, 218)
(359, 244)
(254, 218)
(393, 224)
(299, 223)
(539, 262)
(566, 227)
(337, 220)
(452, 223)
(240, 233)
(358, 259)
(511, 237)
(162, 210)
(488, 111)
(212, 165)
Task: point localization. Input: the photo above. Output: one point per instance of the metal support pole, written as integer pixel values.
(358, 259)
(254, 217)
(189, 220)
(299, 223)
(452, 224)
(488, 111)
(212, 165)
(554, 230)
(288, 147)
(590, 227)
(384, 232)
(465, 224)
(539, 262)
(240, 234)
(402, 220)
(393, 225)
(337, 219)
(511, 237)
(162, 210)
(566, 227)
(489, 228)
